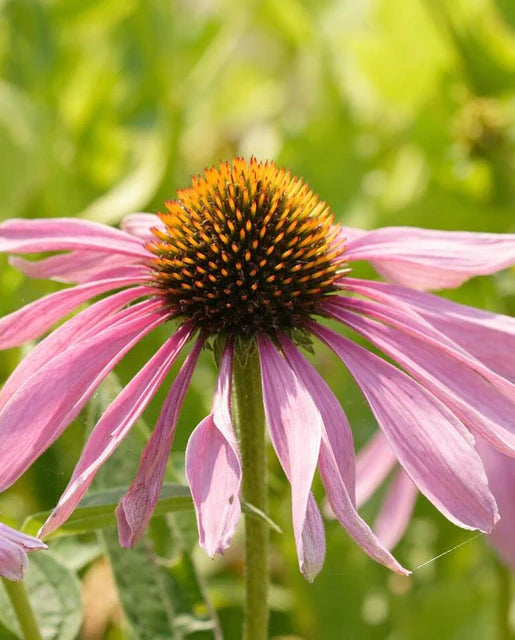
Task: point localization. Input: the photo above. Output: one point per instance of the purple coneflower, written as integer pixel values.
(249, 254)
(14, 547)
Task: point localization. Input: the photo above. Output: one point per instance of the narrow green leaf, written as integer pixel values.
(96, 511)
(260, 515)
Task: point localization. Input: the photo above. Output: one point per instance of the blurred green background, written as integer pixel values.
(395, 111)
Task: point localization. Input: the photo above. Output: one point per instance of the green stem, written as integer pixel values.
(250, 419)
(504, 600)
(22, 608)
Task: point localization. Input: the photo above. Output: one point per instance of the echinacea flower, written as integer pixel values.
(14, 547)
(376, 461)
(249, 253)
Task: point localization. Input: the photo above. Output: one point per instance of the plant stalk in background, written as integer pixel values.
(22, 608)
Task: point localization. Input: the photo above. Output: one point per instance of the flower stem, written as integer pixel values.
(22, 608)
(504, 601)
(250, 420)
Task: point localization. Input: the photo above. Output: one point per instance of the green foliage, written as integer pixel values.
(54, 592)
(96, 511)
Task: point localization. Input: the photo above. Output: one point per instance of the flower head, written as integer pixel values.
(14, 547)
(246, 249)
(248, 252)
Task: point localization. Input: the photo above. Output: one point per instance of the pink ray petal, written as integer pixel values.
(213, 468)
(390, 310)
(336, 461)
(481, 399)
(114, 425)
(394, 516)
(29, 543)
(77, 266)
(31, 321)
(67, 335)
(351, 234)
(406, 320)
(63, 234)
(313, 540)
(432, 445)
(14, 547)
(44, 406)
(346, 513)
(139, 224)
(336, 432)
(490, 337)
(13, 560)
(374, 462)
(295, 428)
(500, 470)
(428, 259)
(138, 504)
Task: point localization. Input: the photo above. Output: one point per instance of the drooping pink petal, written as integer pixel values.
(313, 540)
(44, 406)
(394, 516)
(14, 547)
(432, 445)
(31, 321)
(374, 462)
(78, 266)
(139, 224)
(29, 543)
(336, 432)
(67, 335)
(137, 505)
(389, 308)
(295, 428)
(336, 461)
(13, 560)
(213, 468)
(114, 425)
(501, 478)
(406, 320)
(63, 234)
(480, 398)
(490, 337)
(428, 259)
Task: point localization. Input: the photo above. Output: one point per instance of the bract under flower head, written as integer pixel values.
(247, 248)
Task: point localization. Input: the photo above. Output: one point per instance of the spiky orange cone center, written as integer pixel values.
(247, 248)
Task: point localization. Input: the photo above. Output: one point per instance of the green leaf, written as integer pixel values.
(54, 593)
(253, 511)
(96, 511)
(76, 552)
(161, 599)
